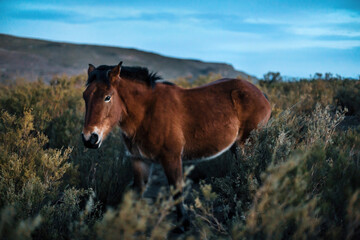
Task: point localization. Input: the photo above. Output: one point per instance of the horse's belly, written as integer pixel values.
(205, 153)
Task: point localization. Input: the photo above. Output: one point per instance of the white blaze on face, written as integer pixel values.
(99, 132)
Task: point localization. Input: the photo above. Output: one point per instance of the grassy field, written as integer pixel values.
(297, 178)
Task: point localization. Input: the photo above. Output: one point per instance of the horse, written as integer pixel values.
(164, 123)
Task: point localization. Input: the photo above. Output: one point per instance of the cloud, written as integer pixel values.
(264, 21)
(87, 14)
(284, 45)
(101, 13)
(52, 15)
(166, 29)
(339, 17)
(309, 18)
(334, 44)
(318, 31)
(107, 13)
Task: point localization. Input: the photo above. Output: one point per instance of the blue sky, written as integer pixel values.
(296, 38)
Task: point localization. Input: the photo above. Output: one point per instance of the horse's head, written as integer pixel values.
(103, 104)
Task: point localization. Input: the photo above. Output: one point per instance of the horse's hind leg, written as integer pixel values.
(142, 172)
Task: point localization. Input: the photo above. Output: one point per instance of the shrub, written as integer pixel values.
(136, 219)
(13, 228)
(27, 170)
(295, 178)
(298, 177)
(307, 93)
(57, 111)
(45, 169)
(349, 97)
(30, 175)
(272, 77)
(308, 195)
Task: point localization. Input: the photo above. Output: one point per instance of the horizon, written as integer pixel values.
(295, 39)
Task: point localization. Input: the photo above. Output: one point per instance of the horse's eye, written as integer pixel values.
(107, 98)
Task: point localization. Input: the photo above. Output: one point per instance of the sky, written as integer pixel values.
(296, 38)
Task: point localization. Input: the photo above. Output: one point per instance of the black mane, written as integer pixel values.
(101, 73)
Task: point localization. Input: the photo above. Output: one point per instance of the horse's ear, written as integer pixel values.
(116, 71)
(91, 68)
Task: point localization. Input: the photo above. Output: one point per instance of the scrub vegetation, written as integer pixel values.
(296, 178)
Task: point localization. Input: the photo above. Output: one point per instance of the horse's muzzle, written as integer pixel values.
(92, 142)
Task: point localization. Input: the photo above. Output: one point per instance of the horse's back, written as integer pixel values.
(224, 98)
(240, 93)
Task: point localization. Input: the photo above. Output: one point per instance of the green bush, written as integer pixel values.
(307, 93)
(309, 195)
(28, 170)
(349, 97)
(44, 167)
(296, 178)
(30, 175)
(136, 219)
(58, 112)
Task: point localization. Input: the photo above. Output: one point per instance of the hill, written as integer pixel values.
(32, 58)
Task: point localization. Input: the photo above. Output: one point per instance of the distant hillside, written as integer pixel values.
(32, 58)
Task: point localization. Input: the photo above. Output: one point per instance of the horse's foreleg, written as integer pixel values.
(141, 175)
(174, 174)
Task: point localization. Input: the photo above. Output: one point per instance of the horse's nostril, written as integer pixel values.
(94, 138)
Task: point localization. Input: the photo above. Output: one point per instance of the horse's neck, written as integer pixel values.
(135, 96)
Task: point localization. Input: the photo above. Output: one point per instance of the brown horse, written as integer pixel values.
(167, 124)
